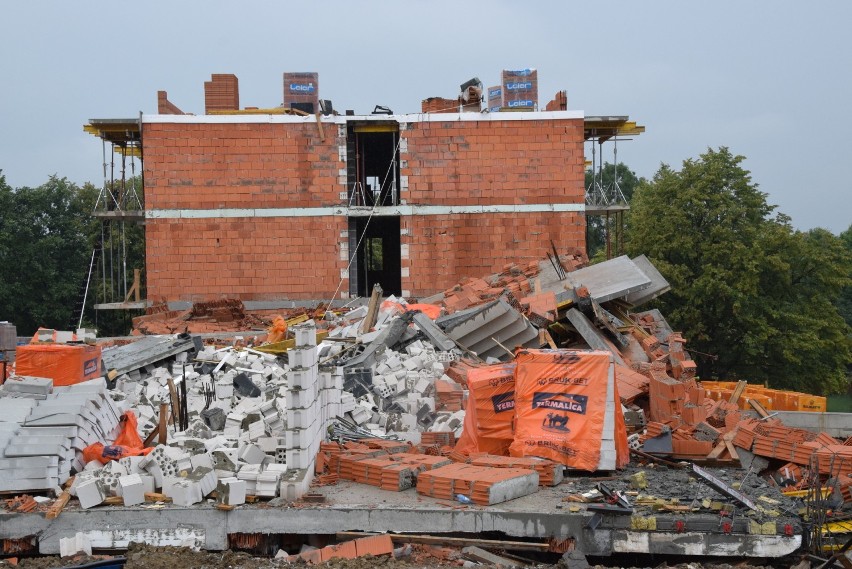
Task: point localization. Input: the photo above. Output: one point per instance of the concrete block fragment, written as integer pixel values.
(78, 544)
(132, 489)
(252, 454)
(231, 492)
(91, 493)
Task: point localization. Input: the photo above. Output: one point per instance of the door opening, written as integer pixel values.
(377, 259)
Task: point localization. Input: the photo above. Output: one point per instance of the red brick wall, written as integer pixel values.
(215, 166)
(495, 162)
(444, 249)
(251, 259)
(204, 166)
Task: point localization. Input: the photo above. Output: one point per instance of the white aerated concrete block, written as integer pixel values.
(301, 378)
(80, 543)
(231, 491)
(302, 357)
(306, 335)
(132, 489)
(91, 493)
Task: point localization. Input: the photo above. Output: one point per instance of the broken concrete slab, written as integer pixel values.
(659, 285)
(610, 279)
(433, 332)
(146, 351)
(592, 336)
(490, 330)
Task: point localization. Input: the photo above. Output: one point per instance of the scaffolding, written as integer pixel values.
(607, 199)
(119, 204)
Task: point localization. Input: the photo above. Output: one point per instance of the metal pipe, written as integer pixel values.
(86, 292)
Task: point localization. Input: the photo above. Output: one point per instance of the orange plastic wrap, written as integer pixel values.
(560, 405)
(127, 443)
(490, 410)
(433, 311)
(278, 330)
(65, 364)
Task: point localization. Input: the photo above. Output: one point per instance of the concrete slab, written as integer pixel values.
(659, 285)
(355, 506)
(611, 279)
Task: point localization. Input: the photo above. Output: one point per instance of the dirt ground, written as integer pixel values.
(149, 557)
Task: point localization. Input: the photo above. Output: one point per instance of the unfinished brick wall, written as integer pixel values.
(494, 162)
(489, 163)
(222, 93)
(223, 166)
(250, 259)
(250, 165)
(444, 249)
(262, 165)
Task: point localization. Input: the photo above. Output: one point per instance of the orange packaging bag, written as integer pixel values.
(490, 410)
(561, 399)
(127, 443)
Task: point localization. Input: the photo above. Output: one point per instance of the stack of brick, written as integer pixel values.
(449, 396)
(301, 91)
(444, 439)
(222, 93)
(439, 105)
(520, 89)
(483, 485)
(495, 98)
(550, 473)
(770, 399)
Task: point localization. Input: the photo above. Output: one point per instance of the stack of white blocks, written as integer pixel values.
(40, 453)
(303, 408)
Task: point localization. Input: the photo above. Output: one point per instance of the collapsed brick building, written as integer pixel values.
(263, 204)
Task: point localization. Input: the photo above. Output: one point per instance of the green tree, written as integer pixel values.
(756, 299)
(596, 230)
(43, 250)
(844, 304)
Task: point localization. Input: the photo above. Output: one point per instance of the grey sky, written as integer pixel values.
(770, 80)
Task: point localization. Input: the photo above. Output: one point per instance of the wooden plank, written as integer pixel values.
(717, 450)
(453, 541)
(550, 341)
(372, 310)
(761, 410)
(163, 429)
(738, 391)
(175, 419)
(319, 126)
(156, 497)
(57, 506)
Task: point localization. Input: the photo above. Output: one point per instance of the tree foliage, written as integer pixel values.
(47, 235)
(597, 228)
(43, 251)
(756, 299)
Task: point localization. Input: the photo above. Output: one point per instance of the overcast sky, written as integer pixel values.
(769, 80)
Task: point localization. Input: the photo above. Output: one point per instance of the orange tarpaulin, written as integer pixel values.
(65, 364)
(127, 443)
(490, 410)
(560, 407)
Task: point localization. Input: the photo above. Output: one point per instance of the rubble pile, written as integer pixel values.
(484, 392)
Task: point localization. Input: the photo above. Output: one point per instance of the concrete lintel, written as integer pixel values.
(703, 543)
(382, 211)
(344, 119)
